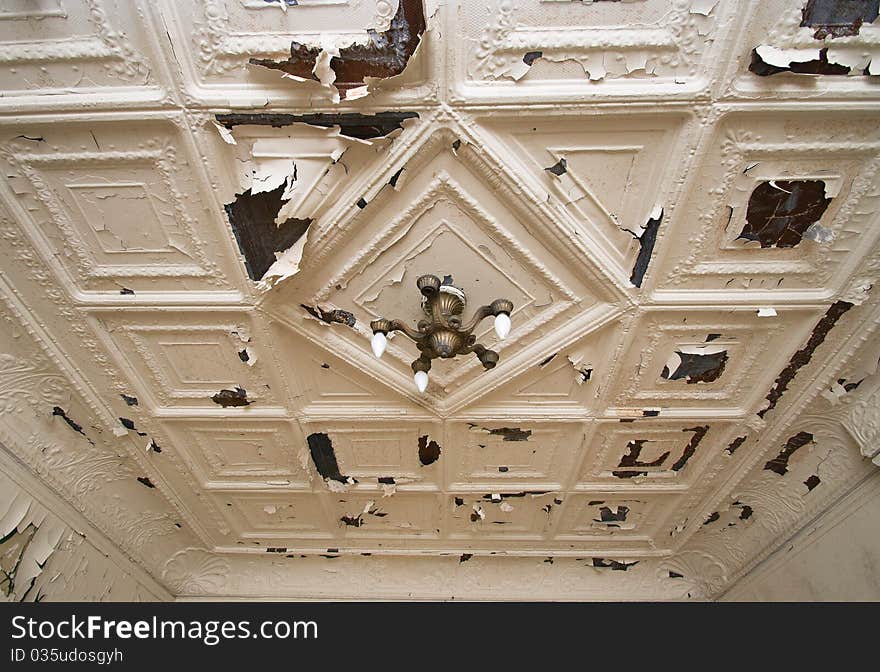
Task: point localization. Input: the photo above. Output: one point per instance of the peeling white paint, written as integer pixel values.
(703, 7)
(580, 362)
(336, 486)
(225, 133)
(819, 233)
(783, 58)
(306, 160)
(857, 61)
(331, 43)
(41, 557)
(287, 264)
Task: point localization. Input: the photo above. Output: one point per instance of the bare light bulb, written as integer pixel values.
(379, 343)
(502, 325)
(421, 380)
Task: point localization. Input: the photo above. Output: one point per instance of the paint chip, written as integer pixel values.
(227, 398)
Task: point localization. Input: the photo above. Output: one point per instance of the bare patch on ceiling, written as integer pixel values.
(603, 563)
(509, 433)
(838, 18)
(780, 211)
(631, 465)
(779, 464)
(350, 69)
(696, 364)
(767, 60)
(631, 459)
(691, 447)
(647, 239)
(558, 168)
(351, 124)
(226, 398)
(429, 450)
(75, 426)
(324, 457)
(735, 444)
(805, 354)
(331, 316)
(128, 423)
(616, 515)
(252, 218)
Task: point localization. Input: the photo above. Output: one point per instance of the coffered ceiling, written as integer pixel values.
(204, 205)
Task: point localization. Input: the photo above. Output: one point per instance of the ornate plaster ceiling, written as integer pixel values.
(197, 231)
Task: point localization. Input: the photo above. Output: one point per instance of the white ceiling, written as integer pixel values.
(585, 465)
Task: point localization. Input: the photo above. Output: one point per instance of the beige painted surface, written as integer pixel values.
(835, 558)
(122, 279)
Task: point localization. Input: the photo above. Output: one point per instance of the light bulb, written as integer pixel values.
(502, 325)
(379, 343)
(421, 380)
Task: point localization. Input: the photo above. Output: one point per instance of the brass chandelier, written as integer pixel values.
(443, 334)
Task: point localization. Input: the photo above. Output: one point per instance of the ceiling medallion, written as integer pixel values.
(444, 335)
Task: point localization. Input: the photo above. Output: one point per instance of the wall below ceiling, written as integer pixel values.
(834, 558)
(50, 552)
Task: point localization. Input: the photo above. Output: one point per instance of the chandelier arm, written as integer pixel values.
(488, 358)
(421, 363)
(482, 313)
(397, 325)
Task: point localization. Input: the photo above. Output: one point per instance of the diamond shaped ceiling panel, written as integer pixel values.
(444, 220)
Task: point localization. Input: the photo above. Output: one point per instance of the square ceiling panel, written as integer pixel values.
(511, 49)
(793, 148)
(740, 376)
(117, 206)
